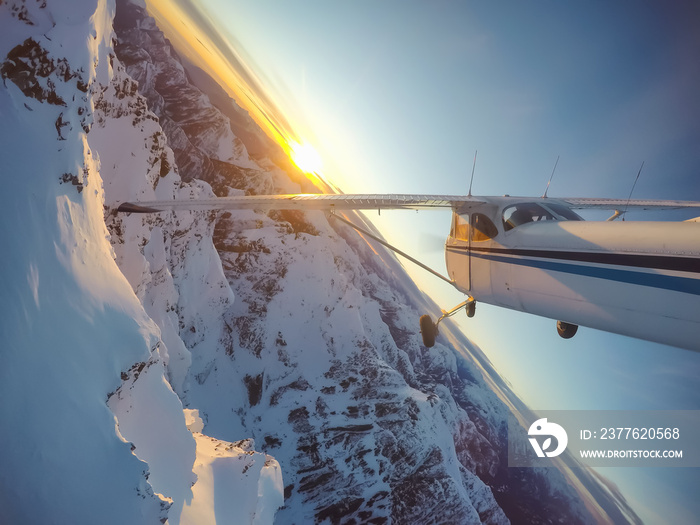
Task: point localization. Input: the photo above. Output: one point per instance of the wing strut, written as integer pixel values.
(392, 248)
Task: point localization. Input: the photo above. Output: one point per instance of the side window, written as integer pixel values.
(483, 228)
(461, 228)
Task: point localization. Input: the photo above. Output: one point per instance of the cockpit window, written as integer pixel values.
(518, 214)
(483, 228)
(460, 227)
(564, 212)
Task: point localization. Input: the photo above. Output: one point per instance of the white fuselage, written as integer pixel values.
(640, 279)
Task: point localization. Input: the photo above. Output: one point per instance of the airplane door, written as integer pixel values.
(469, 259)
(481, 234)
(466, 251)
(457, 258)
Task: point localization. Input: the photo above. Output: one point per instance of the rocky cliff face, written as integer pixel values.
(200, 135)
(318, 358)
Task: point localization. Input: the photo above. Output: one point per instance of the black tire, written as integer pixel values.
(471, 309)
(428, 330)
(566, 330)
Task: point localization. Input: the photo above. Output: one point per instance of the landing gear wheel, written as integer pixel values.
(471, 309)
(428, 330)
(566, 330)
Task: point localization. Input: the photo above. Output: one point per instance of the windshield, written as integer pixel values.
(564, 212)
(518, 214)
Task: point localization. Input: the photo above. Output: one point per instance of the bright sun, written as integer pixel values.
(306, 157)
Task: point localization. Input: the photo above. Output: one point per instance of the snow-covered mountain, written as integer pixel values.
(92, 430)
(202, 368)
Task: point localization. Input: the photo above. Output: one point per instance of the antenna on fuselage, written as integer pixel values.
(473, 168)
(550, 178)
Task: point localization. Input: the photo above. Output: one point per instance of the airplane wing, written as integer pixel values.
(303, 202)
(329, 202)
(633, 204)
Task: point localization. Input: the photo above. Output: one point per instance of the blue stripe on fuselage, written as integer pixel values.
(653, 280)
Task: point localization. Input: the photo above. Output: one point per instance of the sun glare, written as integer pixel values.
(306, 157)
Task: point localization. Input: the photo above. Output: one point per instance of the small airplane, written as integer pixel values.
(537, 255)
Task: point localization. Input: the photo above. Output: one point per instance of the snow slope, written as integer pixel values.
(77, 340)
(71, 323)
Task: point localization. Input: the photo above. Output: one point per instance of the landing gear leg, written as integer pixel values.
(429, 330)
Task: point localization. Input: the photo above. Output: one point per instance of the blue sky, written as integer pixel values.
(398, 96)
